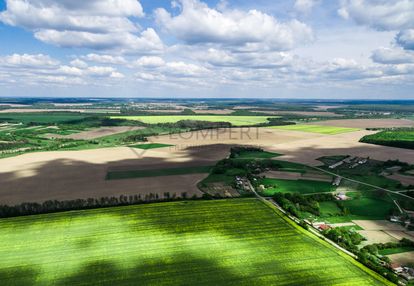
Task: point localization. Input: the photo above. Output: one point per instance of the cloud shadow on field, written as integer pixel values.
(67, 179)
(184, 269)
(18, 276)
(70, 179)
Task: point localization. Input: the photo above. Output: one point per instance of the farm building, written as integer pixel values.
(337, 181)
(336, 165)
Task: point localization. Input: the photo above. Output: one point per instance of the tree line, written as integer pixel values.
(52, 206)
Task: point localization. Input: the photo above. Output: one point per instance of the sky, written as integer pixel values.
(332, 49)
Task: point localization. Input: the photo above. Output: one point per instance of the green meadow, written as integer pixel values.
(226, 242)
(234, 120)
(328, 130)
(363, 205)
(294, 186)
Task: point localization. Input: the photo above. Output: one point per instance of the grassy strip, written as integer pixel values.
(389, 251)
(150, 146)
(328, 130)
(294, 186)
(257, 155)
(119, 175)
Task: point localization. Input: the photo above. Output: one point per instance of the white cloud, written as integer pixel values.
(95, 24)
(147, 42)
(254, 60)
(27, 60)
(79, 64)
(27, 69)
(184, 69)
(305, 6)
(392, 56)
(104, 59)
(380, 14)
(150, 62)
(70, 70)
(252, 30)
(406, 39)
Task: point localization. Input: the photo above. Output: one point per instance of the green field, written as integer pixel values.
(234, 120)
(329, 209)
(292, 167)
(150, 146)
(256, 155)
(130, 174)
(400, 138)
(389, 251)
(362, 207)
(328, 130)
(40, 117)
(226, 242)
(274, 186)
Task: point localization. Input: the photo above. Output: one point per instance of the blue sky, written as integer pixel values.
(194, 48)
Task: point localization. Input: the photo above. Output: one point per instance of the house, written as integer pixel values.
(323, 227)
(341, 196)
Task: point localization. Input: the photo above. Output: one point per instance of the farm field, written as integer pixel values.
(32, 110)
(403, 258)
(43, 118)
(304, 113)
(226, 242)
(327, 130)
(119, 175)
(307, 151)
(363, 208)
(67, 175)
(234, 120)
(97, 132)
(294, 186)
(368, 123)
(400, 138)
(233, 136)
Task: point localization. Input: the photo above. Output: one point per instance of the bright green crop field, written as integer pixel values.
(226, 242)
(234, 120)
(328, 130)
